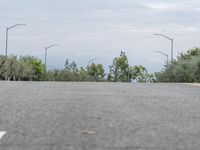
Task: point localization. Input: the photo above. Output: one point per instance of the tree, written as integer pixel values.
(67, 66)
(9, 67)
(185, 69)
(70, 66)
(189, 54)
(2, 67)
(73, 66)
(139, 73)
(194, 69)
(24, 68)
(119, 70)
(96, 71)
(83, 75)
(31, 68)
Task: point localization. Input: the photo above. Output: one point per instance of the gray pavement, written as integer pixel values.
(99, 116)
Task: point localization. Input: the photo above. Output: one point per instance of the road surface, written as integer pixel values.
(99, 116)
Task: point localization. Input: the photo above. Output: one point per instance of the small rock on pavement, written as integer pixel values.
(89, 132)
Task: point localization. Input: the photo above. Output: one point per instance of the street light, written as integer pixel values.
(164, 55)
(91, 60)
(172, 43)
(7, 29)
(46, 55)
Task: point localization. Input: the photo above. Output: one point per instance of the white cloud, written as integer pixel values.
(98, 26)
(161, 6)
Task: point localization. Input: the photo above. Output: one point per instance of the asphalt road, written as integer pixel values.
(99, 116)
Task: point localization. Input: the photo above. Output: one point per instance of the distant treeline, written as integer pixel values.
(28, 68)
(186, 68)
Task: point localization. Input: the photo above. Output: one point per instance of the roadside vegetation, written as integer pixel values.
(121, 71)
(186, 68)
(28, 68)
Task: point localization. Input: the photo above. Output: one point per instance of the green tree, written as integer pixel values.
(139, 73)
(83, 74)
(119, 70)
(71, 66)
(189, 54)
(31, 68)
(96, 71)
(9, 67)
(2, 67)
(185, 69)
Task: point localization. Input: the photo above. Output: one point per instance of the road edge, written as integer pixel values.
(193, 84)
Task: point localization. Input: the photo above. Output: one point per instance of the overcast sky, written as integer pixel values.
(87, 29)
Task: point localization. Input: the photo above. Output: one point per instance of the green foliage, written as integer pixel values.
(185, 69)
(31, 68)
(62, 75)
(189, 54)
(96, 71)
(24, 68)
(67, 75)
(121, 71)
(139, 73)
(195, 68)
(2, 66)
(70, 66)
(9, 67)
(28, 68)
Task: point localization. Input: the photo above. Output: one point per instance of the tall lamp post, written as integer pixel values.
(46, 48)
(172, 43)
(164, 55)
(91, 60)
(7, 29)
